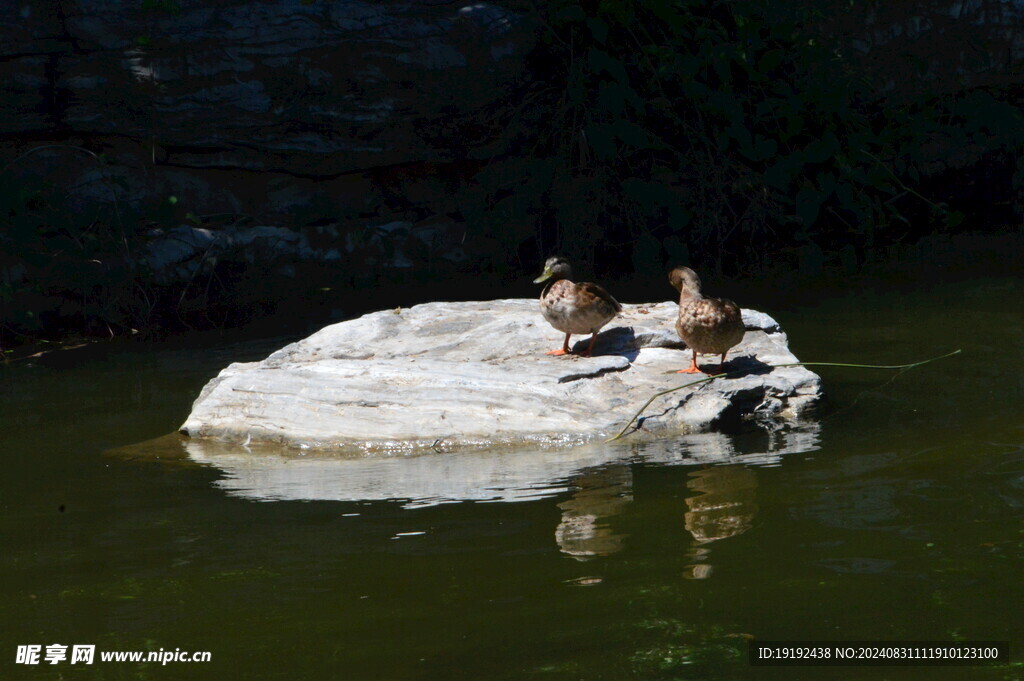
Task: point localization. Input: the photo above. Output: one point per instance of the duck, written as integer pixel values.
(707, 325)
(573, 308)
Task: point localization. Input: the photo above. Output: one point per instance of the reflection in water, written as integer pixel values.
(422, 480)
(726, 504)
(725, 507)
(269, 474)
(599, 477)
(719, 448)
(599, 494)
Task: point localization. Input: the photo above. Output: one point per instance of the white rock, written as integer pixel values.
(450, 375)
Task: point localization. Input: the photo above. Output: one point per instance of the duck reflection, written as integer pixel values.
(599, 494)
(725, 505)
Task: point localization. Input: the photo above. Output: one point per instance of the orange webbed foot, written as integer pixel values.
(557, 353)
(692, 369)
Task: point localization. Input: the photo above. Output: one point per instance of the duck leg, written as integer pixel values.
(721, 367)
(692, 369)
(564, 350)
(590, 348)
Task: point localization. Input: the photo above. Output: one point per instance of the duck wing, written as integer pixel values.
(592, 294)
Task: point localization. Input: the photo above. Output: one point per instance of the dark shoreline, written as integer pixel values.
(911, 267)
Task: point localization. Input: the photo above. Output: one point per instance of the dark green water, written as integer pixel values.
(898, 515)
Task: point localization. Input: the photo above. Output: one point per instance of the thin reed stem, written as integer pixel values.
(775, 366)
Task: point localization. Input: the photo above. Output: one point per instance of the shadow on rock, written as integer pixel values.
(747, 365)
(620, 340)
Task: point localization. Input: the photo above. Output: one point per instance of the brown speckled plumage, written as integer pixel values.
(574, 308)
(706, 325)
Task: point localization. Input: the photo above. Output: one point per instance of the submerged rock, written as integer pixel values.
(450, 375)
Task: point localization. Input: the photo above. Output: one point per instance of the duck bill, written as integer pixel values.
(547, 275)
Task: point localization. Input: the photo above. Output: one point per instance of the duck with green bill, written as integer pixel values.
(573, 307)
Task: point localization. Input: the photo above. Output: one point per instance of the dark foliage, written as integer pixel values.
(742, 136)
(736, 136)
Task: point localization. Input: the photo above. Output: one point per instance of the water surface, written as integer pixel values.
(896, 515)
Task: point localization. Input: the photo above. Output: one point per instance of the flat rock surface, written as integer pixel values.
(444, 376)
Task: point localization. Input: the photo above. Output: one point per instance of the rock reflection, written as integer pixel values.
(266, 474)
(719, 448)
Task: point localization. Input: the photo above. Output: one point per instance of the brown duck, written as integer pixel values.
(707, 325)
(571, 307)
